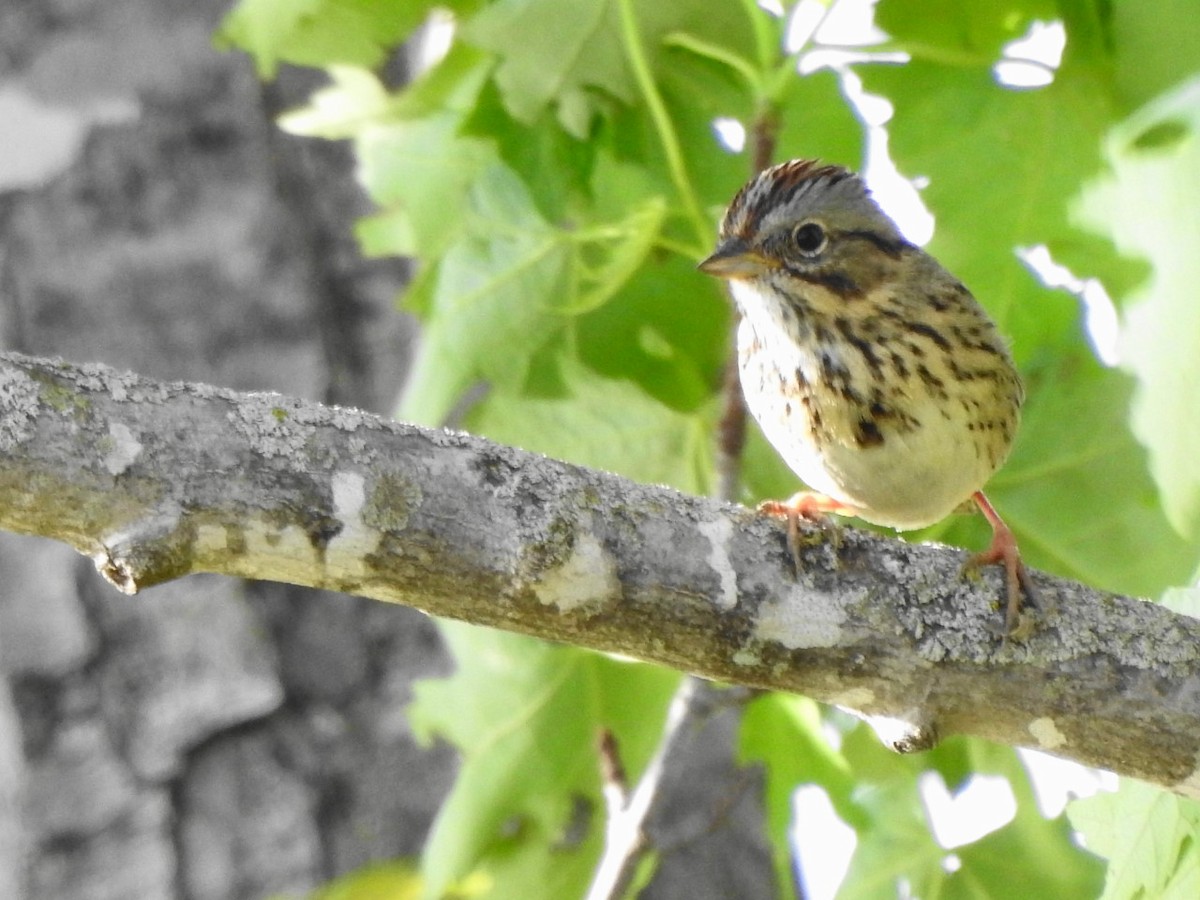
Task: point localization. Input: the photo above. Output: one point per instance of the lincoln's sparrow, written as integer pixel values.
(872, 370)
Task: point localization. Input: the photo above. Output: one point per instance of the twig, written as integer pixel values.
(625, 838)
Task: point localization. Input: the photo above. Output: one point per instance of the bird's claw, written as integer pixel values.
(1003, 550)
(813, 508)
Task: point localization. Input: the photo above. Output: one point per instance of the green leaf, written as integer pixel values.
(1156, 46)
(526, 716)
(1051, 867)
(669, 135)
(319, 32)
(420, 172)
(605, 424)
(399, 880)
(554, 52)
(607, 256)
(394, 880)
(728, 25)
(354, 100)
(817, 122)
(511, 284)
(573, 56)
(666, 330)
(491, 307)
(1048, 846)
(898, 847)
(413, 158)
(1146, 206)
(957, 32)
(357, 101)
(877, 793)
(1148, 835)
(554, 165)
(454, 84)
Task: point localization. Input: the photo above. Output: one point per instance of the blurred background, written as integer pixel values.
(210, 738)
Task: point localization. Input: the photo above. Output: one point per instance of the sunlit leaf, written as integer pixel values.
(959, 33)
(1156, 45)
(1149, 837)
(1146, 206)
(554, 52)
(320, 32)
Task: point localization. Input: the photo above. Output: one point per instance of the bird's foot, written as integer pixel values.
(1003, 550)
(812, 507)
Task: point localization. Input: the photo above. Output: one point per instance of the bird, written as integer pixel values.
(873, 371)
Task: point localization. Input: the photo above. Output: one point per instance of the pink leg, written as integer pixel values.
(1003, 549)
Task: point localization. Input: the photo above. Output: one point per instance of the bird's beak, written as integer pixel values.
(734, 259)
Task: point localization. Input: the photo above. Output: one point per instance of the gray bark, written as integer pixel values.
(157, 480)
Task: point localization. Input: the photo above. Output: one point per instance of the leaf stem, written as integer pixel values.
(662, 119)
(718, 54)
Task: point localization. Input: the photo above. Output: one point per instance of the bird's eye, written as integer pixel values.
(809, 238)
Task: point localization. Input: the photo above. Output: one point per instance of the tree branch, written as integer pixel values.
(156, 480)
